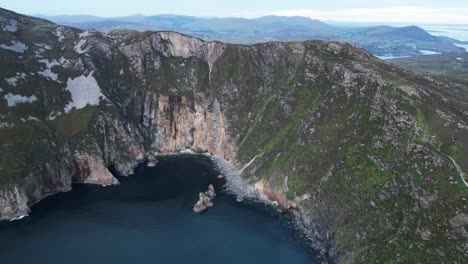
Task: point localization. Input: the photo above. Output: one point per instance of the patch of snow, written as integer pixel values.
(429, 52)
(63, 61)
(460, 59)
(39, 53)
(12, 26)
(44, 46)
(16, 47)
(49, 64)
(14, 99)
(53, 115)
(30, 118)
(13, 80)
(462, 126)
(59, 34)
(79, 47)
(6, 125)
(121, 71)
(84, 34)
(47, 73)
(84, 91)
(1, 90)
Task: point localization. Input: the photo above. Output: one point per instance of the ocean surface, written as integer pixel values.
(459, 32)
(148, 218)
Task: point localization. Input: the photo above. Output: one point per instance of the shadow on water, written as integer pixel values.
(148, 218)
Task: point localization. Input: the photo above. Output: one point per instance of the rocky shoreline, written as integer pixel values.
(235, 185)
(243, 190)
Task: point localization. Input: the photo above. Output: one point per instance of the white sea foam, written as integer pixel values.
(18, 218)
(235, 184)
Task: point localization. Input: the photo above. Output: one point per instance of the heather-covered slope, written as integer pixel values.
(370, 157)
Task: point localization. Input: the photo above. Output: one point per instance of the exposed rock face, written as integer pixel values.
(169, 44)
(370, 158)
(90, 169)
(178, 123)
(210, 192)
(203, 203)
(13, 203)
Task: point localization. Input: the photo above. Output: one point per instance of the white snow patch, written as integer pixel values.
(13, 80)
(49, 64)
(12, 26)
(1, 90)
(460, 59)
(39, 53)
(30, 118)
(14, 99)
(121, 71)
(59, 34)
(54, 115)
(47, 73)
(6, 125)
(16, 47)
(79, 47)
(63, 61)
(84, 91)
(44, 46)
(84, 34)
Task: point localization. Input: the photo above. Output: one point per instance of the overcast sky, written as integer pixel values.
(411, 11)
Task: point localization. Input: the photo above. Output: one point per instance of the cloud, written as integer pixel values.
(400, 14)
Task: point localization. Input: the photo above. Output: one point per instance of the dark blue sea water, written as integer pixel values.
(148, 218)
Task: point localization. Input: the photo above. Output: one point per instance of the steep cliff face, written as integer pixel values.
(370, 158)
(176, 123)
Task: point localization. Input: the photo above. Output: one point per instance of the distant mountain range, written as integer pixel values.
(379, 40)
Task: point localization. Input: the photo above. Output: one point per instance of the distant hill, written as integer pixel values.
(453, 65)
(379, 40)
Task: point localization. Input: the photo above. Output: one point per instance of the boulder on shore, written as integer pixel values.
(151, 161)
(210, 192)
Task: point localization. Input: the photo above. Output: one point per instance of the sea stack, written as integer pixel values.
(205, 200)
